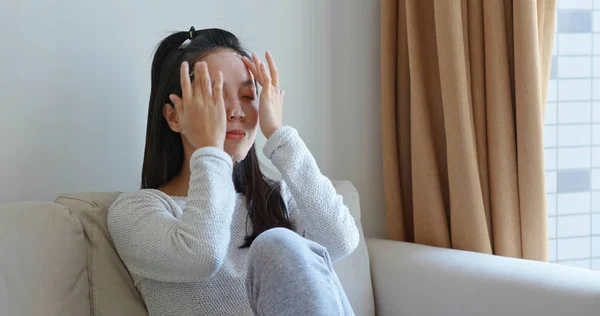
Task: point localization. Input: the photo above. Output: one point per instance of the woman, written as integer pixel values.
(208, 234)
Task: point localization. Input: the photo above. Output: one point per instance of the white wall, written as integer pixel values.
(74, 87)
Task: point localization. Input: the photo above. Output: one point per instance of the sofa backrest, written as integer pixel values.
(111, 290)
(42, 261)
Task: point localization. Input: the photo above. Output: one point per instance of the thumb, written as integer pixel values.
(177, 102)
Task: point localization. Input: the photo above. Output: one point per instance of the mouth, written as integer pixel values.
(235, 134)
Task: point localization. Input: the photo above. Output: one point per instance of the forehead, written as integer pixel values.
(230, 63)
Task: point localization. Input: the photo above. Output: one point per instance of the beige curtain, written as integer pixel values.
(463, 97)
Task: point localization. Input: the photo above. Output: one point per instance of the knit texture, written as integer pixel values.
(183, 252)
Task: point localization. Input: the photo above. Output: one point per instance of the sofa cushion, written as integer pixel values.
(113, 292)
(111, 287)
(354, 271)
(42, 261)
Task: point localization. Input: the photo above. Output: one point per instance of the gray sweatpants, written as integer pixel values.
(291, 275)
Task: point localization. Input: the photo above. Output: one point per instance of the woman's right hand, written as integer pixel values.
(201, 109)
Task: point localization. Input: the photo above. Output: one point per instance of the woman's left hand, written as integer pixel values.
(270, 110)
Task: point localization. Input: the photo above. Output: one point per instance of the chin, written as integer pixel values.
(237, 157)
(236, 154)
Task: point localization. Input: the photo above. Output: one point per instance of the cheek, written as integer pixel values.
(251, 111)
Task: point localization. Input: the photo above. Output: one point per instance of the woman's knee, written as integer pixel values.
(280, 243)
(275, 238)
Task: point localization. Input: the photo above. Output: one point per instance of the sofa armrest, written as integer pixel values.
(410, 279)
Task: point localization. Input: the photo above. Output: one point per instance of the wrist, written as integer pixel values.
(209, 144)
(268, 133)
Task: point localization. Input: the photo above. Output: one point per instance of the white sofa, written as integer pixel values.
(58, 259)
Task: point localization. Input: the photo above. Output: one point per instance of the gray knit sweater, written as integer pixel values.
(183, 252)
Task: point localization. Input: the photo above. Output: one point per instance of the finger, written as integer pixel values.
(178, 105)
(197, 83)
(177, 102)
(205, 80)
(273, 69)
(265, 72)
(218, 90)
(259, 74)
(250, 65)
(252, 76)
(184, 78)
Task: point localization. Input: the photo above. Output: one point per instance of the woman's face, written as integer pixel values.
(241, 101)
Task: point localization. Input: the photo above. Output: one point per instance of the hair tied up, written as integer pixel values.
(191, 34)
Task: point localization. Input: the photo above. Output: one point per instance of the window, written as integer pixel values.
(572, 136)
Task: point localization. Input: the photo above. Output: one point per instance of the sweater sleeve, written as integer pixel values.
(155, 244)
(312, 201)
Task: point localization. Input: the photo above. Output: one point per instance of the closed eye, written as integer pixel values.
(251, 98)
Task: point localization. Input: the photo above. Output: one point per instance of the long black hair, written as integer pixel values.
(163, 156)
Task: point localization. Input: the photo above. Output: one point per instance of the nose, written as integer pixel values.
(235, 112)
